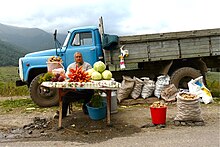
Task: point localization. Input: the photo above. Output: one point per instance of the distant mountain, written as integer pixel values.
(31, 39)
(10, 54)
(15, 42)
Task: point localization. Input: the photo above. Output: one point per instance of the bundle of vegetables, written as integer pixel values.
(49, 76)
(99, 72)
(78, 75)
(46, 77)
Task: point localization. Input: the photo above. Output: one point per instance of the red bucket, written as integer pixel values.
(158, 115)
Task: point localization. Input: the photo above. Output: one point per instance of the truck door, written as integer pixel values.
(82, 42)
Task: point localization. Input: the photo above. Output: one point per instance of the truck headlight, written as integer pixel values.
(20, 64)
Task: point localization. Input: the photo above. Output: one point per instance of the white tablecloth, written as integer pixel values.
(103, 84)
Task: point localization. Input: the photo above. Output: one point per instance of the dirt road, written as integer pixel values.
(131, 127)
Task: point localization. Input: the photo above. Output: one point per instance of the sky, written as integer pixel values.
(121, 17)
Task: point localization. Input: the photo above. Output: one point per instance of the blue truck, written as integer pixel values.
(182, 55)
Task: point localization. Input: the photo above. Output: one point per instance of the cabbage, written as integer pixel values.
(99, 66)
(90, 71)
(106, 75)
(96, 76)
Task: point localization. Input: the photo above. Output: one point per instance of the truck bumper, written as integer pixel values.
(20, 83)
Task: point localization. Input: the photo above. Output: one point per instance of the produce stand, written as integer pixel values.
(104, 85)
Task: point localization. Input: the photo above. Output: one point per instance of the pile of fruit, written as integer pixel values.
(55, 59)
(99, 72)
(58, 78)
(78, 75)
(52, 77)
(158, 104)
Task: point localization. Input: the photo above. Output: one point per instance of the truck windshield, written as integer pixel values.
(67, 39)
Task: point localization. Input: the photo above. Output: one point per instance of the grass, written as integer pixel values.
(10, 89)
(213, 83)
(8, 77)
(23, 106)
(17, 103)
(8, 73)
(26, 105)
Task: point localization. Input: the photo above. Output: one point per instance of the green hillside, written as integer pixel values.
(31, 39)
(10, 54)
(15, 42)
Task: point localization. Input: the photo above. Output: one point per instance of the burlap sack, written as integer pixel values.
(162, 81)
(137, 88)
(188, 110)
(148, 88)
(126, 88)
(169, 93)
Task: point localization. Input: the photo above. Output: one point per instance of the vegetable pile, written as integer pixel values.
(46, 77)
(158, 104)
(188, 96)
(99, 72)
(78, 75)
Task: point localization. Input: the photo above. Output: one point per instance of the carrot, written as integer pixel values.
(78, 75)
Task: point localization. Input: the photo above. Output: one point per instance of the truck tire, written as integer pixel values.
(43, 96)
(183, 75)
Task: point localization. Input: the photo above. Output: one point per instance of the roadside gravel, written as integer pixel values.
(131, 127)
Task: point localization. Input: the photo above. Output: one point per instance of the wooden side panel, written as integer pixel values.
(111, 56)
(163, 50)
(131, 62)
(137, 52)
(195, 47)
(215, 45)
(144, 52)
(165, 46)
(169, 36)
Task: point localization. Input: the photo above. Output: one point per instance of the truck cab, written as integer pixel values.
(86, 40)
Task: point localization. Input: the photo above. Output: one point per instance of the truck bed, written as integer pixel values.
(165, 46)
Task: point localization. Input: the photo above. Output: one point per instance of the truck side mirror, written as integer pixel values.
(57, 43)
(55, 35)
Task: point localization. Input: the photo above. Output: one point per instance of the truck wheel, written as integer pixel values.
(182, 76)
(43, 96)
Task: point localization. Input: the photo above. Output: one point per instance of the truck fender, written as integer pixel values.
(166, 68)
(33, 72)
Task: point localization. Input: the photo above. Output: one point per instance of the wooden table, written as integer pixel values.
(104, 85)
